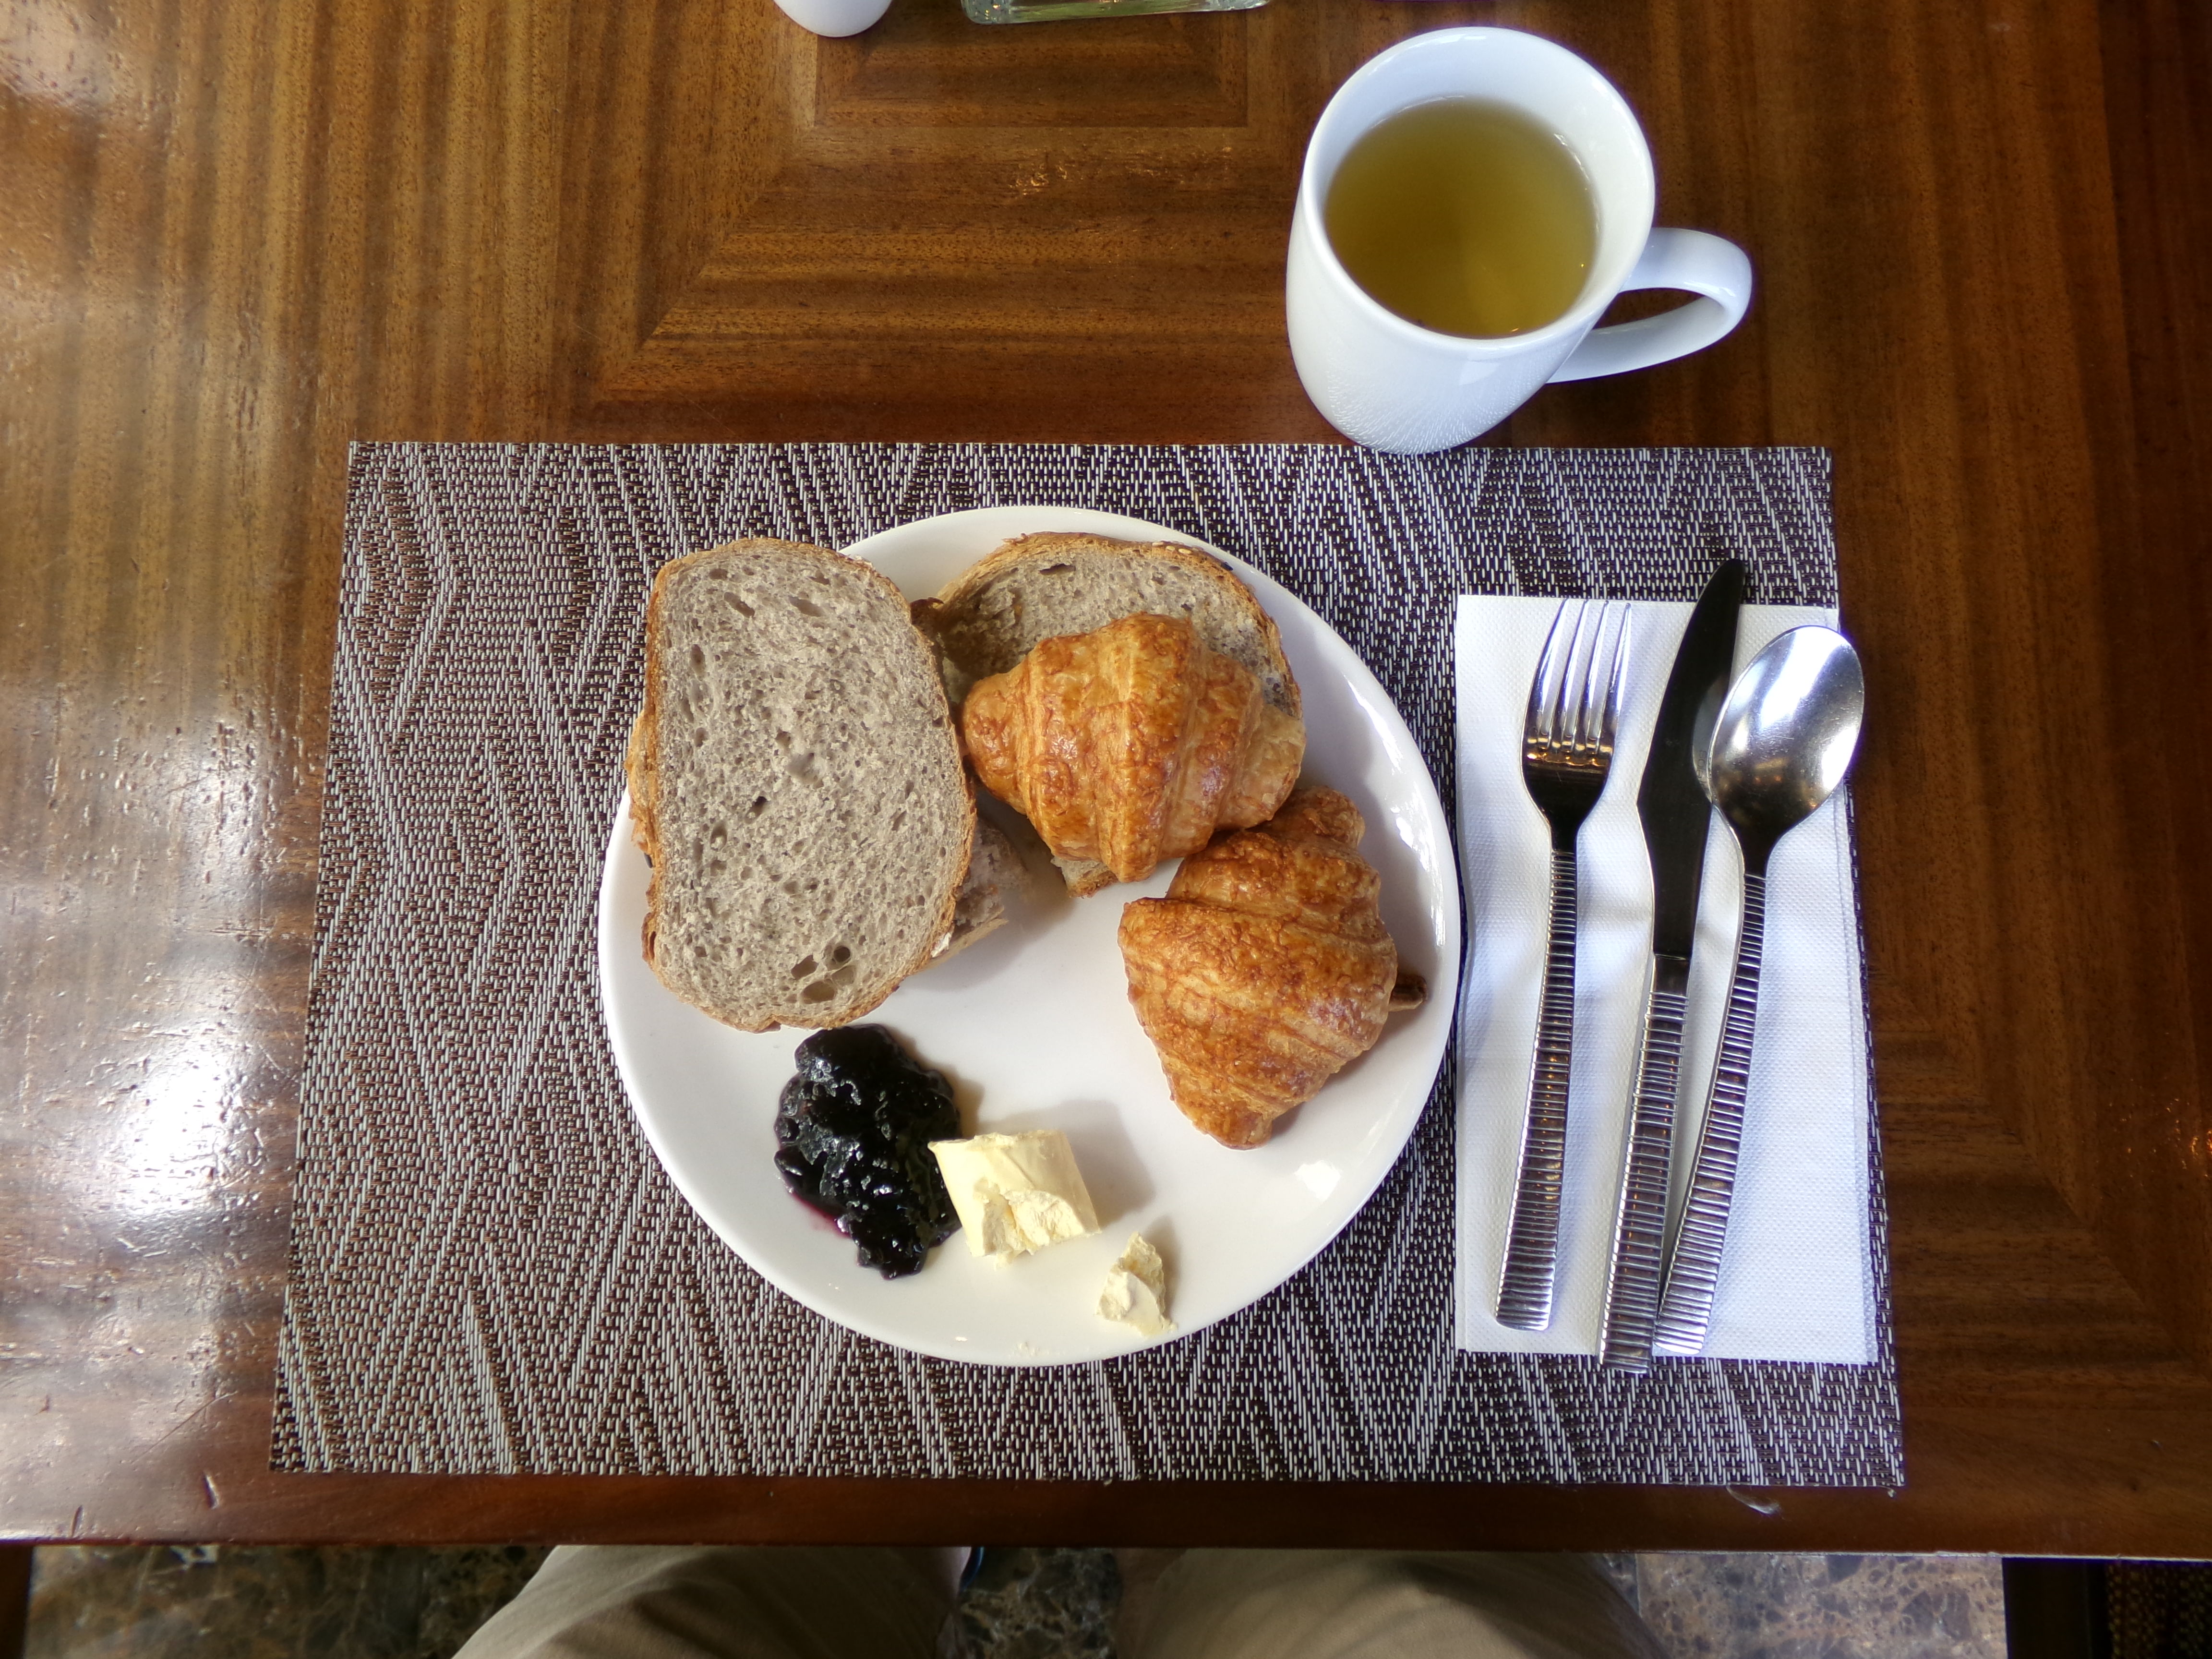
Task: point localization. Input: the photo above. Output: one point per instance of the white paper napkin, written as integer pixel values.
(1796, 1282)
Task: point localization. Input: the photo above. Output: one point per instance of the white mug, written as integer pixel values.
(1385, 382)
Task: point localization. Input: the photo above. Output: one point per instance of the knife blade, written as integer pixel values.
(1676, 817)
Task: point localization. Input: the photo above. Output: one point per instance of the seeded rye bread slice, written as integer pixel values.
(796, 782)
(1042, 586)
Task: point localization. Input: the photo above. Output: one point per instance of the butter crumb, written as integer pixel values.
(1136, 1292)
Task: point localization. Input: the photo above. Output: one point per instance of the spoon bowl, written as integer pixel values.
(1785, 735)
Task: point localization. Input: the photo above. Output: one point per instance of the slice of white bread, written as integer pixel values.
(1042, 586)
(796, 781)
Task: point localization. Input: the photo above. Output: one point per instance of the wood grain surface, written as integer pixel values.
(233, 238)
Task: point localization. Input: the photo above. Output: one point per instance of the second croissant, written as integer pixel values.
(1267, 968)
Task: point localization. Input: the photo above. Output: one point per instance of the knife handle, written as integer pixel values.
(1686, 1307)
(1639, 1235)
(1532, 1240)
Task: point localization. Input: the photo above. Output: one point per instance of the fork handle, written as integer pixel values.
(1640, 1236)
(1532, 1240)
(1686, 1307)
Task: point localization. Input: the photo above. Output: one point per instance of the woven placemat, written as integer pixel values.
(490, 1273)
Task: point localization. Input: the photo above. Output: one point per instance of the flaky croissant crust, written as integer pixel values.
(1265, 969)
(1131, 744)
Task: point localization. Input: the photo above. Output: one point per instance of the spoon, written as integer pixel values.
(1783, 741)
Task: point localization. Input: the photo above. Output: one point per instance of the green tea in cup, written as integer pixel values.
(1464, 217)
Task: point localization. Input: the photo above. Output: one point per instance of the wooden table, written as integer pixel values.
(235, 237)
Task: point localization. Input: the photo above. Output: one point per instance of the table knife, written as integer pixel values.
(1676, 817)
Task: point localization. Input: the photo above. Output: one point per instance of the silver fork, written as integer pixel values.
(1567, 752)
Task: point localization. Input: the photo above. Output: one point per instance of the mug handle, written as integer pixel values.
(1704, 264)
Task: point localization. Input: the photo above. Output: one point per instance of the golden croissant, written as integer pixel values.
(1130, 745)
(1265, 969)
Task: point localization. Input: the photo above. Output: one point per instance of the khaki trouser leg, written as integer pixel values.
(1361, 1604)
(611, 1603)
(722, 1603)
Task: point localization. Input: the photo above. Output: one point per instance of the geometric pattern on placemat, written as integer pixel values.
(490, 1272)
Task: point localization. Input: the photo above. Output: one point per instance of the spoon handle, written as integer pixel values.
(1532, 1240)
(1686, 1306)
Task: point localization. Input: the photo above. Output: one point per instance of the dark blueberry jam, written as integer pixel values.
(853, 1131)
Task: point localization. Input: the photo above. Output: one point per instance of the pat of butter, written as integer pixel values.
(1015, 1194)
(1136, 1290)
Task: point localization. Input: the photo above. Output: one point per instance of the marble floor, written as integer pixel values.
(259, 1603)
(1821, 1606)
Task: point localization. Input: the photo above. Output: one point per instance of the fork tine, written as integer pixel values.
(1585, 711)
(1564, 718)
(1590, 690)
(1611, 719)
(1532, 724)
(1535, 730)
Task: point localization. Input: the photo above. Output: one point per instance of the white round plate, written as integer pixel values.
(1033, 1026)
